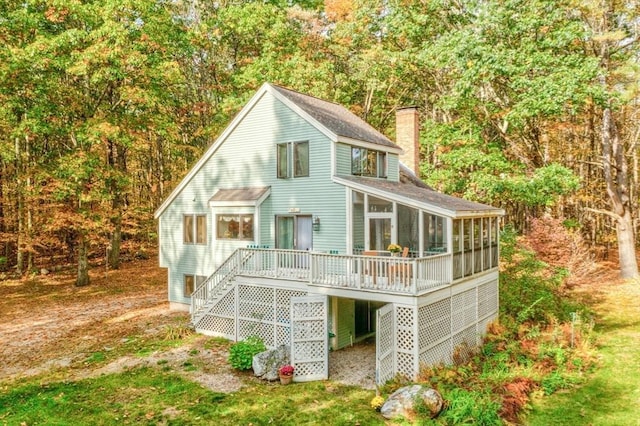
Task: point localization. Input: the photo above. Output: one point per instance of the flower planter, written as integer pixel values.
(285, 379)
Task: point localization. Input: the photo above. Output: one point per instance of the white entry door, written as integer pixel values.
(294, 232)
(309, 338)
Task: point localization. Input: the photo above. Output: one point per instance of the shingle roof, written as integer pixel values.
(425, 195)
(336, 118)
(239, 194)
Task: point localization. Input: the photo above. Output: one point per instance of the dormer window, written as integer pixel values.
(293, 159)
(368, 162)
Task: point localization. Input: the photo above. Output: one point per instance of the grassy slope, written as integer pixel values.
(152, 396)
(612, 394)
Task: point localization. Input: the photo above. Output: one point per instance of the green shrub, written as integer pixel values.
(241, 353)
(468, 407)
(529, 288)
(558, 379)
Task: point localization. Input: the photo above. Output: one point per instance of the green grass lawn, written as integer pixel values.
(612, 395)
(152, 396)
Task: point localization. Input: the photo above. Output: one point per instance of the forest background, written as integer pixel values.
(528, 105)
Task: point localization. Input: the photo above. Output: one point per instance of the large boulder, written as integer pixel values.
(402, 402)
(266, 364)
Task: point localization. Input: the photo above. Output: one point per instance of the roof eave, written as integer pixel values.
(454, 214)
(404, 200)
(370, 145)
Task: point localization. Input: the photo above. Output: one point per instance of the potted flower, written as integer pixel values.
(394, 248)
(286, 374)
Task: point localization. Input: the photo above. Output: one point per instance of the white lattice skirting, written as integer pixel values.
(261, 311)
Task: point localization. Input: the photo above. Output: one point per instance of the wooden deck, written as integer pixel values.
(381, 274)
(407, 276)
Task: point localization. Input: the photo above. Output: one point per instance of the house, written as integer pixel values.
(282, 230)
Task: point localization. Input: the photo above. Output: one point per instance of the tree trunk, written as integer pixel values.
(615, 169)
(20, 210)
(627, 246)
(113, 256)
(83, 262)
(117, 161)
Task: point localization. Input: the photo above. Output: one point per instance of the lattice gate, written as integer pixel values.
(309, 338)
(385, 344)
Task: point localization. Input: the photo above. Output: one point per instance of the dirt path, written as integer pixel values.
(611, 396)
(49, 326)
(46, 321)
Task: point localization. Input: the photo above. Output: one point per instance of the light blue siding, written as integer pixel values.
(247, 158)
(343, 159)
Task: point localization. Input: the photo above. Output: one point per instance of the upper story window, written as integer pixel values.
(293, 159)
(234, 227)
(194, 229)
(368, 162)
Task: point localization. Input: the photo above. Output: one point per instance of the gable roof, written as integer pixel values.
(333, 120)
(339, 120)
(421, 197)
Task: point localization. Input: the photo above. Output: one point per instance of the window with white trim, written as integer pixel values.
(194, 229)
(368, 162)
(234, 226)
(293, 159)
(191, 282)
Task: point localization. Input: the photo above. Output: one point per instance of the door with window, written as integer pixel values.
(294, 233)
(379, 232)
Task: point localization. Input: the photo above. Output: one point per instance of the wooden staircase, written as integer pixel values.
(216, 286)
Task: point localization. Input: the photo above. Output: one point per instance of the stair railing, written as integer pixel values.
(216, 283)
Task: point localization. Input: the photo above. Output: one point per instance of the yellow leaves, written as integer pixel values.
(609, 36)
(339, 10)
(106, 129)
(56, 15)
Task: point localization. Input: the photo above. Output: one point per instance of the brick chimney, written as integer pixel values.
(408, 137)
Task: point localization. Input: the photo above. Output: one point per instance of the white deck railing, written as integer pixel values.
(369, 273)
(396, 275)
(216, 283)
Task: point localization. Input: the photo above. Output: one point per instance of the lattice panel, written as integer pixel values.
(385, 332)
(404, 316)
(405, 365)
(439, 354)
(385, 343)
(464, 344)
(308, 309)
(283, 335)
(464, 310)
(487, 299)
(307, 329)
(310, 350)
(223, 326)
(309, 368)
(482, 327)
(225, 306)
(405, 339)
(263, 330)
(434, 322)
(309, 345)
(385, 369)
(283, 302)
(255, 302)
